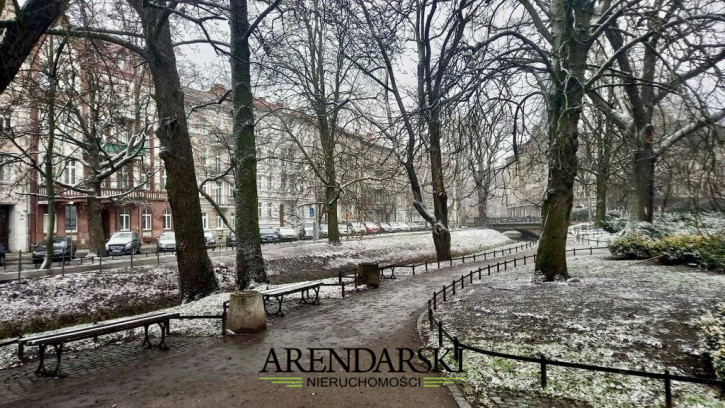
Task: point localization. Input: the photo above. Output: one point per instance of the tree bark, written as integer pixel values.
(441, 233)
(23, 34)
(96, 234)
(641, 199)
(250, 264)
(570, 27)
(196, 276)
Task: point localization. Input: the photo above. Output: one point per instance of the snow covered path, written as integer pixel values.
(229, 369)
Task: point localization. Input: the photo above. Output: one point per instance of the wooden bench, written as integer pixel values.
(56, 340)
(279, 293)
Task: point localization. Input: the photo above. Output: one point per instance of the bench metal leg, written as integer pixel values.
(279, 299)
(163, 326)
(41, 370)
(317, 295)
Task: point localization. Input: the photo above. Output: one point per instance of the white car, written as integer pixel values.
(287, 234)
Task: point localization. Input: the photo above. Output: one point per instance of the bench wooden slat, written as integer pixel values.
(290, 289)
(98, 324)
(92, 331)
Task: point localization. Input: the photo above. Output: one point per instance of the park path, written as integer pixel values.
(200, 372)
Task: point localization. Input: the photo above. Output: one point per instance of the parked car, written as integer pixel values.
(2, 254)
(232, 240)
(209, 238)
(414, 226)
(63, 249)
(371, 227)
(287, 234)
(269, 235)
(401, 226)
(166, 242)
(343, 229)
(385, 227)
(123, 242)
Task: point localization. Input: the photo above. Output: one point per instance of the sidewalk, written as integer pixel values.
(226, 371)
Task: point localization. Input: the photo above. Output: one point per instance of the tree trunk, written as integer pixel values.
(570, 26)
(601, 205)
(18, 40)
(196, 276)
(441, 233)
(250, 264)
(642, 195)
(96, 234)
(482, 208)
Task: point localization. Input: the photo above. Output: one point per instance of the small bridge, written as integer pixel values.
(529, 227)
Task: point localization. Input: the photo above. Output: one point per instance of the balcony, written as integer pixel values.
(146, 195)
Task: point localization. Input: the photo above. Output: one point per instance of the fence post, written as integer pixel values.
(20, 262)
(474, 257)
(440, 334)
(426, 266)
(543, 370)
(453, 285)
(668, 390)
(514, 262)
(479, 273)
(413, 269)
(574, 251)
(430, 315)
(462, 284)
(484, 256)
(590, 250)
(463, 259)
(444, 293)
(470, 277)
(435, 300)
(489, 269)
(524, 259)
(451, 261)
(498, 266)
(100, 264)
(457, 353)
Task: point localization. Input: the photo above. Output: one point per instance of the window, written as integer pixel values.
(233, 220)
(162, 177)
(218, 161)
(259, 210)
(219, 223)
(70, 172)
(205, 220)
(5, 121)
(71, 218)
(166, 220)
(124, 220)
(269, 182)
(259, 182)
(269, 210)
(202, 159)
(5, 170)
(123, 179)
(283, 181)
(219, 193)
(146, 220)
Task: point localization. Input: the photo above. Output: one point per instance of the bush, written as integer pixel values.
(633, 246)
(712, 339)
(612, 224)
(709, 252)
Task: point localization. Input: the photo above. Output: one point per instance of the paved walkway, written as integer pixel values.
(205, 371)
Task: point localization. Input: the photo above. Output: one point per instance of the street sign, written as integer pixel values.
(312, 211)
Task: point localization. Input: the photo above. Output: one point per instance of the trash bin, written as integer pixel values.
(368, 273)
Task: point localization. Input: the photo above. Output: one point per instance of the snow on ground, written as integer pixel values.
(622, 314)
(36, 305)
(396, 248)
